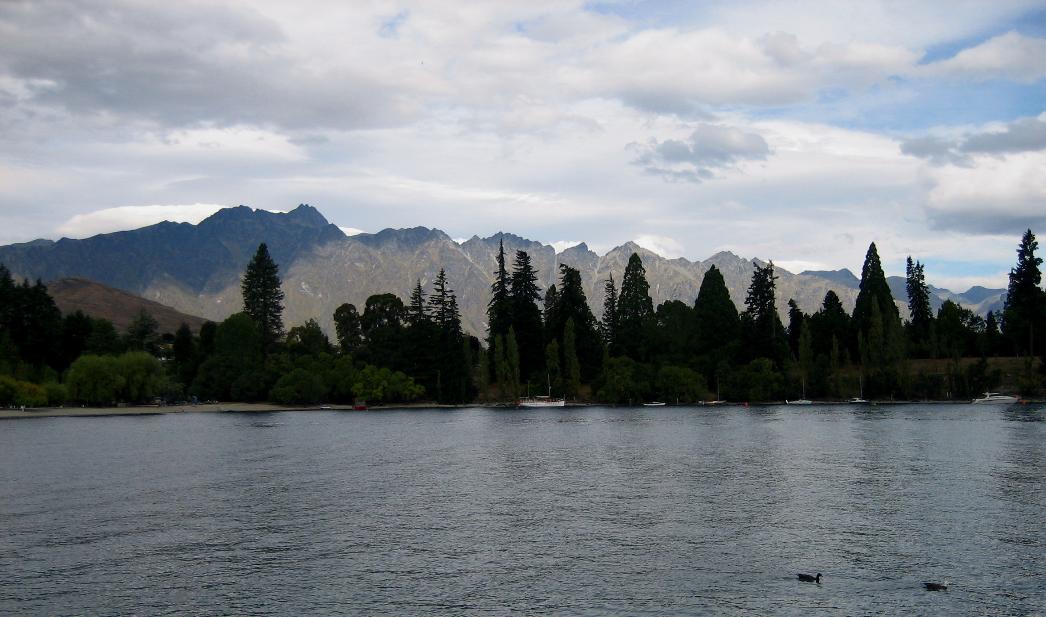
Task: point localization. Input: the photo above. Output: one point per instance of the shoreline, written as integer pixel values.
(158, 410)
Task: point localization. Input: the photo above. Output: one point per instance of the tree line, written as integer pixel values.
(396, 352)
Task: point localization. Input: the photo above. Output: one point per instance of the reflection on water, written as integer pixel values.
(576, 511)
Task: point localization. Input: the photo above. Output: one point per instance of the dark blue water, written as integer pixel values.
(592, 511)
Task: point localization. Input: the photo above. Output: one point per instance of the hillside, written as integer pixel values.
(119, 307)
(196, 269)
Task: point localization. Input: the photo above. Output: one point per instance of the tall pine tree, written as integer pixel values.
(526, 318)
(920, 314)
(609, 324)
(262, 296)
(635, 310)
(1025, 309)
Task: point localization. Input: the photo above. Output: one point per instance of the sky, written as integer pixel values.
(791, 131)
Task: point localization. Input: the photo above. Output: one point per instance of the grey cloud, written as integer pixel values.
(709, 148)
(178, 64)
(936, 150)
(1023, 135)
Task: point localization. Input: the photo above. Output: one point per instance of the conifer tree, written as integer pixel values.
(1024, 313)
(572, 304)
(796, 319)
(262, 296)
(609, 323)
(635, 309)
(716, 316)
(571, 364)
(765, 330)
(526, 317)
(549, 313)
(499, 309)
(185, 357)
(417, 311)
(920, 314)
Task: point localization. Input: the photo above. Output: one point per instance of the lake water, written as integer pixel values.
(589, 511)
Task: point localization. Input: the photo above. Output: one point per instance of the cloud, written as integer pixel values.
(662, 245)
(993, 196)
(709, 148)
(1011, 56)
(351, 231)
(1022, 135)
(133, 217)
(562, 245)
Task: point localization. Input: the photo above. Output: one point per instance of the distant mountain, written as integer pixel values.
(196, 268)
(119, 307)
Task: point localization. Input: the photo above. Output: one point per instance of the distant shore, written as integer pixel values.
(156, 410)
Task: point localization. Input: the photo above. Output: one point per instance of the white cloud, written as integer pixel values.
(662, 245)
(991, 195)
(562, 245)
(351, 231)
(133, 217)
(1011, 55)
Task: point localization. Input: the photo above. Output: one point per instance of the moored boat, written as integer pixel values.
(540, 401)
(994, 398)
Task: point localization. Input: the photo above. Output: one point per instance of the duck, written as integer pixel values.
(809, 578)
(936, 586)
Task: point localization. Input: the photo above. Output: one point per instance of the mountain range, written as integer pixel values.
(196, 269)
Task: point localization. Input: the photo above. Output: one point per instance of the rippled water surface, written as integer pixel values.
(589, 511)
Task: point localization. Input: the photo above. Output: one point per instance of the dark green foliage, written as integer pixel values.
(417, 309)
(526, 319)
(349, 328)
(796, 319)
(571, 305)
(992, 342)
(143, 333)
(571, 363)
(299, 387)
(830, 323)
(549, 312)
(308, 339)
(959, 331)
(875, 291)
(105, 380)
(76, 330)
(716, 323)
(103, 340)
(499, 309)
(235, 371)
(262, 296)
(675, 338)
(625, 381)
(608, 326)
(185, 359)
(764, 332)
(920, 315)
(635, 310)
(1024, 315)
(31, 323)
(453, 366)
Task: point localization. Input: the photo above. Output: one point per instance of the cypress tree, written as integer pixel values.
(635, 309)
(715, 314)
(262, 296)
(1025, 308)
(796, 319)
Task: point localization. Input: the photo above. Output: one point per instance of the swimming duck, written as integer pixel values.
(809, 578)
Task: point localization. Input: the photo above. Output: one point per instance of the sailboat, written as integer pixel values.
(542, 401)
(859, 399)
(802, 401)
